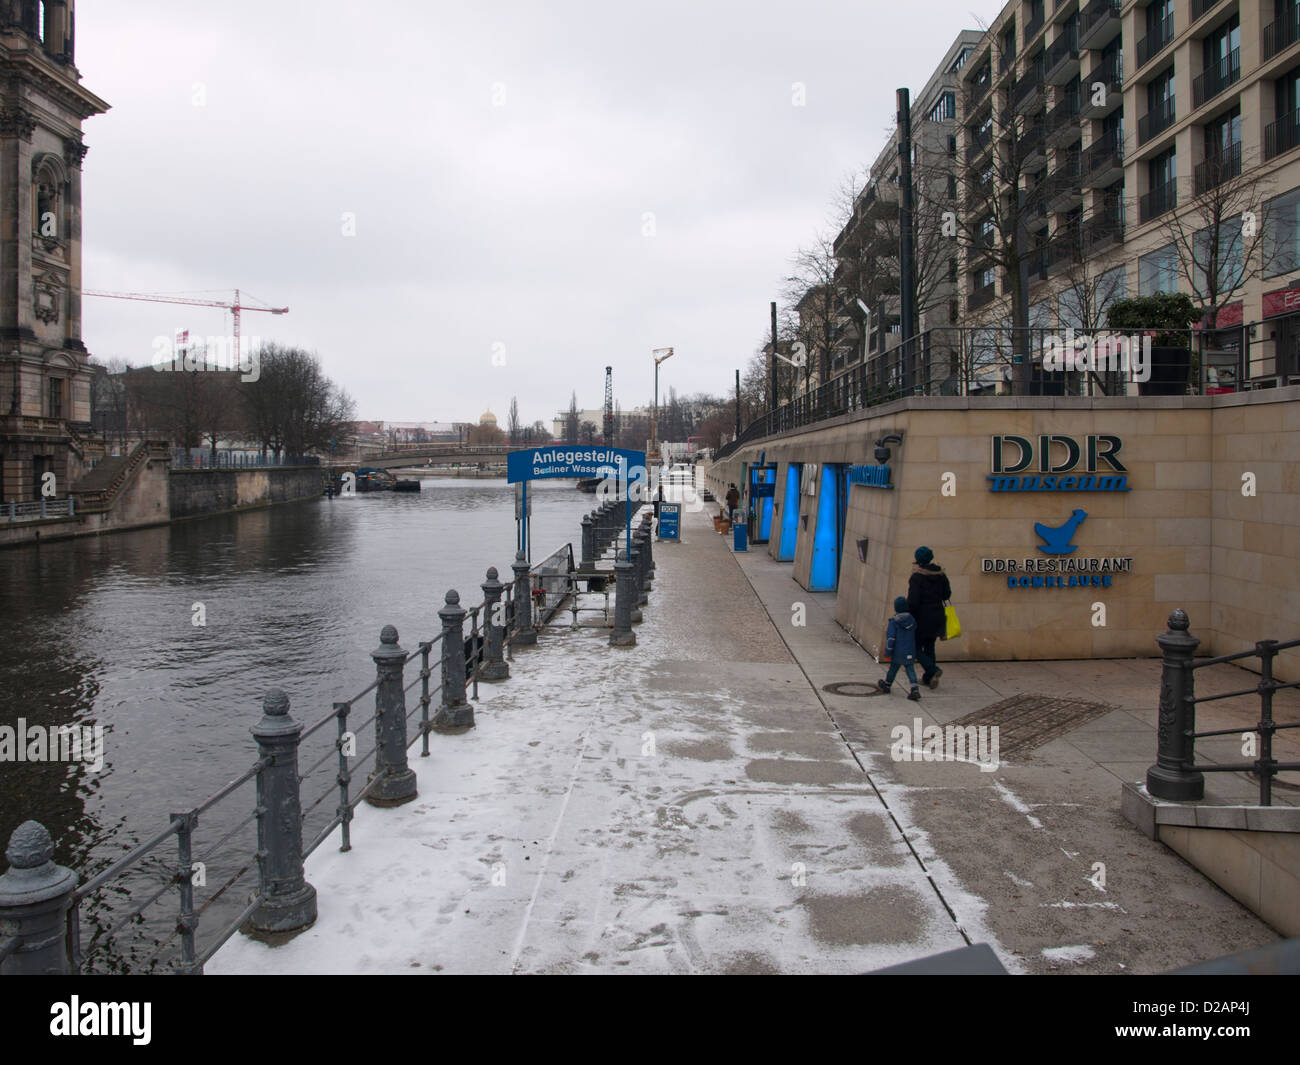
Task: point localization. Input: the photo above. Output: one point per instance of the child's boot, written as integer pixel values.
(914, 695)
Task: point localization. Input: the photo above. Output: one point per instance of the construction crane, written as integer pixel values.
(233, 308)
(609, 406)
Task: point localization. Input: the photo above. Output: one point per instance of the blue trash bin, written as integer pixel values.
(740, 536)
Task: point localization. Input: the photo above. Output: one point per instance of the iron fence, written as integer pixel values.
(203, 459)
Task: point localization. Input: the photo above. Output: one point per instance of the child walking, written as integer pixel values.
(900, 646)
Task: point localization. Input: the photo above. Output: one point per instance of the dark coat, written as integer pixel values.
(927, 589)
(900, 639)
(733, 498)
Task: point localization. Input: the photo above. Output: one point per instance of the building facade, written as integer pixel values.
(1135, 148)
(45, 380)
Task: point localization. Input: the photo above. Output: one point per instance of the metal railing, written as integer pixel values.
(282, 902)
(1282, 135)
(1282, 33)
(1158, 119)
(1217, 77)
(1218, 168)
(1154, 42)
(1176, 775)
(226, 459)
(38, 510)
(1159, 200)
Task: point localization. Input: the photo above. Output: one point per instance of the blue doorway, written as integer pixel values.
(762, 496)
(790, 513)
(828, 538)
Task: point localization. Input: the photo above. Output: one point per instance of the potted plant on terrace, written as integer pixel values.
(1170, 316)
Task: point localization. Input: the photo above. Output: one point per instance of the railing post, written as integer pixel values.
(288, 901)
(588, 544)
(455, 713)
(524, 631)
(624, 596)
(649, 550)
(35, 897)
(1169, 778)
(398, 783)
(1266, 764)
(639, 539)
(494, 666)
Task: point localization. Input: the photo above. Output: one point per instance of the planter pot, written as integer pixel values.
(1170, 368)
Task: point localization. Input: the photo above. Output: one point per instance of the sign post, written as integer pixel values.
(577, 462)
(670, 515)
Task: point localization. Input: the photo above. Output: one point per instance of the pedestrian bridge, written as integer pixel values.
(441, 454)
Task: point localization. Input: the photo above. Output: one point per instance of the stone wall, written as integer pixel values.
(1230, 560)
(195, 492)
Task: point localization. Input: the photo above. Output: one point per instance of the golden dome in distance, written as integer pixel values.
(487, 418)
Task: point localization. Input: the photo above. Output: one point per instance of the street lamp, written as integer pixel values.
(654, 411)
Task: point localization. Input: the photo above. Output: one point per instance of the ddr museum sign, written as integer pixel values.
(872, 476)
(538, 463)
(1053, 465)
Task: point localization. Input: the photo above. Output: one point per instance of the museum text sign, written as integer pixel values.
(1051, 463)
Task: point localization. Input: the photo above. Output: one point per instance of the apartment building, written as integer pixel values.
(866, 248)
(1134, 148)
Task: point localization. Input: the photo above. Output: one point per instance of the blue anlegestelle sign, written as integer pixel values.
(540, 463)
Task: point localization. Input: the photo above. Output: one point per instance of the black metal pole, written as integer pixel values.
(906, 224)
(737, 403)
(771, 395)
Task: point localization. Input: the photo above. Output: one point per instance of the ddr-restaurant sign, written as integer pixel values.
(539, 463)
(1057, 464)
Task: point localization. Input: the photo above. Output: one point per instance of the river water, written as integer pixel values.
(101, 632)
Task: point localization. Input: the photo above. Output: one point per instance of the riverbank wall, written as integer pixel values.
(151, 493)
(1068, 527)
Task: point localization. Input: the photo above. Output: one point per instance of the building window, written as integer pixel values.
(952, 269)
(986, 277)
(945, 109)
(952, 144)
(964, 55)
(952, 186)
(1227, 260)
(1282, 234)
(55, 392)
(1158, 271)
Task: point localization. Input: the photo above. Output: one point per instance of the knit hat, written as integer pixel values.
(924, 555)
(900, 605)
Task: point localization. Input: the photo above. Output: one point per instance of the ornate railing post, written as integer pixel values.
(288, 901)
(398, 783)
(494, 665)
(588, 562)
(649, 539)
(624, 597)
(634, 596)
(35, 896)
(455, 713)
(639, 539)
(1169, 778)
(524, 631)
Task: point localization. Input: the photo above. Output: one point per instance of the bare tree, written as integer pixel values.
(512, 422)
(571, 421)
(1219, 231)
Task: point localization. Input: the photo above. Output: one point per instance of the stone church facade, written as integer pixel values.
(45, 378)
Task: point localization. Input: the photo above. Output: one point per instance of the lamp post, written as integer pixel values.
(654, 411)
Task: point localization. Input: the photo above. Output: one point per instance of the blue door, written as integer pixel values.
(825, 571)
(790, 513)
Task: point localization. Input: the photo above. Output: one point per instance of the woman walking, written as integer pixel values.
(927, 591)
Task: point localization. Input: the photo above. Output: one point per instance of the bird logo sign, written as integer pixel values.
(1056, 541)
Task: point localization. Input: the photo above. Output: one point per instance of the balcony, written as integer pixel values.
(1033, 147)
(981, 297)
(1109, 74)
(979, 87)
(1156, 121)
(1099, 23)
(1282, 135)
(978, 143)
(1159, 200)
(1033, 26)
(1218, 169)
(1102, 230)
(1064, 249)
(1201, 8)
(1283, 33)
(1035, 212)
(1007, 60)
(1218, 77)
(1062, 58)
(1103, 162)
(1063, 189)
(1027, 93)
(1063, 120)
(1154, 42)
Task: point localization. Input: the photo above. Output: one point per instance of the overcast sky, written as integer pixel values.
(502, 162)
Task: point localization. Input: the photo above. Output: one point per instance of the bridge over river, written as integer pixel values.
(441, 454)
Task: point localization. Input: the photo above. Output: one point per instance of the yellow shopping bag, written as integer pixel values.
(951, 623)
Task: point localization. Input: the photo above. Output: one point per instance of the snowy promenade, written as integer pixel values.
(698, 804)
